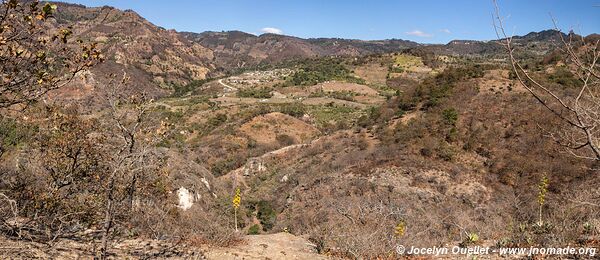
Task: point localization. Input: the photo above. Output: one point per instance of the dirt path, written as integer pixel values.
(271, 246)
(230, 88)
(162, 103)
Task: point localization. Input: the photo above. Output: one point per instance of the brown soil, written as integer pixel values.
(271, 246)
(497, 81)
(265, 128)
(372, 73)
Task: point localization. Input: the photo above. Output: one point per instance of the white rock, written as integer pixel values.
(205, 181)
(186, 198)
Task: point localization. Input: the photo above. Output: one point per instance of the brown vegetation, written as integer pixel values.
(448, 154)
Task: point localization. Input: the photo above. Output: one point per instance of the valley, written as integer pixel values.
(230, 145)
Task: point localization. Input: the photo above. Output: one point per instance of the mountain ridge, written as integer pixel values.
(163, 59)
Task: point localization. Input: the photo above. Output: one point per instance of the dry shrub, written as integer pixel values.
(63, 194)
(285, 140)
(195, 226)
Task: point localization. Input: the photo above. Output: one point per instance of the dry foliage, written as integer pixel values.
(34, 57)
(579, 110)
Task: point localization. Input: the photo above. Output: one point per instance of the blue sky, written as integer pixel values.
(424, 21)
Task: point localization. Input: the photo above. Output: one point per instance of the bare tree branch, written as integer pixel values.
(581, 112)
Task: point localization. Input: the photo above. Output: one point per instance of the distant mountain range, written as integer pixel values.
(238, 49)
(158, 58)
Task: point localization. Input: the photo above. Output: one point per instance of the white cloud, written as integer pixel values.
(446, 31)
(419, 34)
(271, 30)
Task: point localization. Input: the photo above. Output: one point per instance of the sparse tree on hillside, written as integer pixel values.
(92, 168)
(34, 57)
(132, 159)
(579, 111)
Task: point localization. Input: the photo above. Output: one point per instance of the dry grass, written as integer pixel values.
(344, 86)
(266, 128)
(372, 73)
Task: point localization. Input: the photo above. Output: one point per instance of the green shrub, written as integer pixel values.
(293, 109)
(450, 116)
(471, 238)
(446, 152)
(362, 143)
(315, 71)
(173, 139)
(285, 140)
(13, 133)
(342, 95)
(231, 163)
(255, 93)
(565, 78)
(251, 143)
(180, 90)
(370, 118)
(266, 214)
(254, 230)
(395, 69)
(217, 120)
(425, 151)
(433, 89)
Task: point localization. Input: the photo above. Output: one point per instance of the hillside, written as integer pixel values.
(156, 58)
(237, 49)
(536, 43)
(162, 60)
(228, 145)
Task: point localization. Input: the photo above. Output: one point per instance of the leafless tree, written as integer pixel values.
(91, 167)
(580, 111)
(131, 157)
(368, 221)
